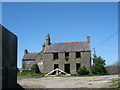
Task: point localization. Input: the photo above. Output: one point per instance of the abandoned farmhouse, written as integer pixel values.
(67, 56)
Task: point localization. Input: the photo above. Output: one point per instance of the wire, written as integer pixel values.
(106, 39)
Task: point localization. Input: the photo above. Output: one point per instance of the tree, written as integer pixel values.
(98, 65)
(83, 71)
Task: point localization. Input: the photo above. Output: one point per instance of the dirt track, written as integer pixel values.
(68, 82)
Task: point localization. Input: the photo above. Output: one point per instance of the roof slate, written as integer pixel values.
(30, 56)
(68, 47)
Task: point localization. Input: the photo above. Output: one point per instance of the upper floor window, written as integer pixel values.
(66, 55)
(78, 54)
(55, 56)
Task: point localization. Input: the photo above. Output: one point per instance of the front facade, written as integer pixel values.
(67, 56)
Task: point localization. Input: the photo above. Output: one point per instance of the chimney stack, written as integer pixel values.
(25, 51)
(88, 39)
(48, 39)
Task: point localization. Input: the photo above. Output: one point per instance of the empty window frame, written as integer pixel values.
(78, 54)
(66, 55)
(55, 56)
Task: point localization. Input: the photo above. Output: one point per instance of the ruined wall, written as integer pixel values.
(27, 64)
(8, 56)
(49, 62)
(39, 61)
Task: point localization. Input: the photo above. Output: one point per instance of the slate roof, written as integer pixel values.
(68, 47)
(30, 56)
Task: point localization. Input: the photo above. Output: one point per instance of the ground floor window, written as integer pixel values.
(56, 66)
(77, 66)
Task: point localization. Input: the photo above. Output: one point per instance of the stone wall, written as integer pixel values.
(85, 60)
(8, 58)
(28, 64)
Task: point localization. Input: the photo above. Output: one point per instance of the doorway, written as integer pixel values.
(77, 66)
(67, 68)
(56, 66)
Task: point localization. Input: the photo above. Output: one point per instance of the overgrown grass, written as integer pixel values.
(76, 75)
(116, 84)
(29, 74)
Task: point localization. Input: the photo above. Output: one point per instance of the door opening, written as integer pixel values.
(67, 68)
(56, 66)
(77, 66)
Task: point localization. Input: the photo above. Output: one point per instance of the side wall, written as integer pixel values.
(39, 61)
(85, 60)
(28, 64)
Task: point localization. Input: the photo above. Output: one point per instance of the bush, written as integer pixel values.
(66, 58)
(26, 71)
(83, 71)
(33, 68)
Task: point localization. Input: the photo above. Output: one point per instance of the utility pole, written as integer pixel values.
(94, 51)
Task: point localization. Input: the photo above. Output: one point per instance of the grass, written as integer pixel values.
(116, 84)
(29, 74)
(76, 75)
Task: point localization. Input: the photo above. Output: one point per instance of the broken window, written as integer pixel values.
(77, 66)
(55, 56)
(66, 56)
(56, 66)
(78, 54)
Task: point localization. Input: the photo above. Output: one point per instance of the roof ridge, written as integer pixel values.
(71, 42)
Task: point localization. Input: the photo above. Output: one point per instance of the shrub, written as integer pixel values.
(33, 68)
(26, 71)
(83, 71)
(66, 58)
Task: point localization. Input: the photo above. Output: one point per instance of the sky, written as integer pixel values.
(65, 22)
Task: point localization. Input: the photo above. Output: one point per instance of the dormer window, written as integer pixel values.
(55, 56)
(78, 54)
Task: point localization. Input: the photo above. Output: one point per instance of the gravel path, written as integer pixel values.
(68, 82)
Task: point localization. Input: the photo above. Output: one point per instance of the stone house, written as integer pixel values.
(67, 56)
